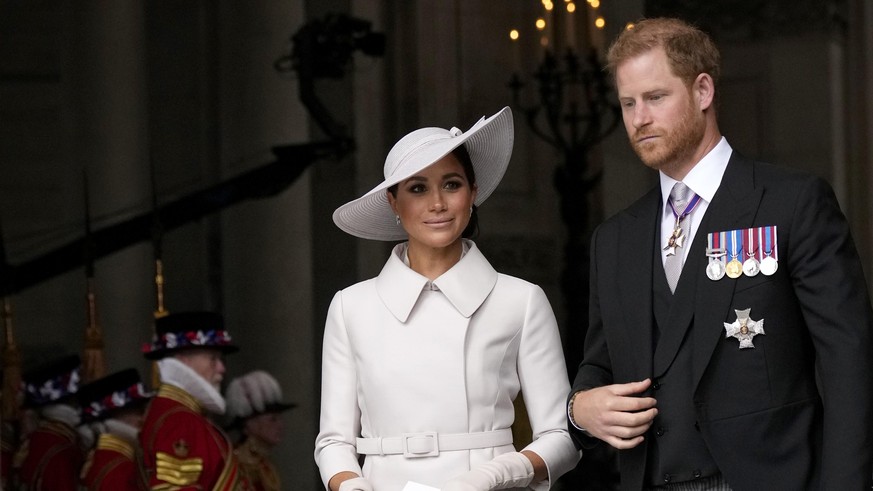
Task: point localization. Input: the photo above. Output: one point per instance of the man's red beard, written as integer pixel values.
(670, 148)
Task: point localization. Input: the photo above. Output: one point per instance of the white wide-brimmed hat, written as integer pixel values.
(489, 143)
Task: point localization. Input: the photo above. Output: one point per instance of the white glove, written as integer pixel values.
(509, 470)
(356, 484)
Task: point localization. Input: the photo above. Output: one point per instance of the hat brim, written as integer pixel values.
(164, 352)
(489, 143)
(276, 407)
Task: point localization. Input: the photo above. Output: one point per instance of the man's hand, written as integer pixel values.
(615, 413)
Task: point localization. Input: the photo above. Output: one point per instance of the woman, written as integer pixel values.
(421, 364)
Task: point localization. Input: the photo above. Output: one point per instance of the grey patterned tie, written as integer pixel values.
(679, 196)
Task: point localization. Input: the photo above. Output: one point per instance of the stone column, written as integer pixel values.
(104, 62)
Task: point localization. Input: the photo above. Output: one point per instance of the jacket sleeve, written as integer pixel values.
(543, 376)
(828, 281)
(595, 370)
(340, 423)
(187, 455)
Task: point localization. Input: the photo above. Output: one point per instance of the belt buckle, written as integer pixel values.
(413, 452)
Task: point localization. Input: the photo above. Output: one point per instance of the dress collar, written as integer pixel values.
(466, 284)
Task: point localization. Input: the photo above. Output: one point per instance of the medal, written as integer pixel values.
(750, 265)
(675, 240)
(734, 268)
(677, 237)
(770, 263)
(716, 254)
(744, 328)
(715, 269)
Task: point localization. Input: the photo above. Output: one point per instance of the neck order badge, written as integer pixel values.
(681, 208)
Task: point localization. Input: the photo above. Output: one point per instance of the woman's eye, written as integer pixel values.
(417, 188)
(453, 185)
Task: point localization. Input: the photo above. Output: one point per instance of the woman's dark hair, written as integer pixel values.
(463, 157)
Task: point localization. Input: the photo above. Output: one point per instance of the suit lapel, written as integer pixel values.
(698, 300)
(733, 207)
(636, 237)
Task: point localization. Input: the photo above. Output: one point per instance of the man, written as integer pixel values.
(255, 407)
(680, 372)
(114, 404)
(50, 457)
(182, 448)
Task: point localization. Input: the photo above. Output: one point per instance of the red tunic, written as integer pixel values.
(111, 466)
(50, 458)
(182, 448)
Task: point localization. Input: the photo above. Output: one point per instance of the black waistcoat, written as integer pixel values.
(676, 450)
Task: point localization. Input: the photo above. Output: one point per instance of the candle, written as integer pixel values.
(516, 55)
(571, 25)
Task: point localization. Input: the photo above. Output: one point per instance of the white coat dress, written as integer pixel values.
(403, 355)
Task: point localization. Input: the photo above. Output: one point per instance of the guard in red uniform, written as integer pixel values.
(255, 407)
(114, 406)
(50, 458)
(182, 448)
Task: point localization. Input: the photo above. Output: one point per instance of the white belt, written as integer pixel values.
(430, 443)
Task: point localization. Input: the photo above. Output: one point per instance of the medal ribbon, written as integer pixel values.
(736, 244)
(770, 242)
(688, 209)
(751, 244)
(760, 242)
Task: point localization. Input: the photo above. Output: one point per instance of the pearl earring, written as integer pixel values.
(397, 219)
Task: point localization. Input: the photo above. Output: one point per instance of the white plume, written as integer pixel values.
(251, 394)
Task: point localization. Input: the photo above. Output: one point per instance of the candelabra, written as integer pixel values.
(573, 111)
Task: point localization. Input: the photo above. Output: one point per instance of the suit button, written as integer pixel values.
(667, 478)
(697, 474)
(697, 426)
(660, 431)
(656, 386)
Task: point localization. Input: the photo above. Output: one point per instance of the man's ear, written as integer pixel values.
(704, 90)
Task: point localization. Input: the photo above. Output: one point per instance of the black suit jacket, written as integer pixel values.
(794, 412)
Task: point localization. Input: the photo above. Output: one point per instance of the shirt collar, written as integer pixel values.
(705, 177)
(466, 284)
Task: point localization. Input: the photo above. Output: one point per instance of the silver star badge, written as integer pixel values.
(744, 328)
(676, 239)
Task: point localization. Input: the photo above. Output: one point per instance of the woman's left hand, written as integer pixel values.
(509, 470)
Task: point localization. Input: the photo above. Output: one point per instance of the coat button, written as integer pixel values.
(660, 431)
(697, 426)
(697, 473)
(667, 478)
(656, 386)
